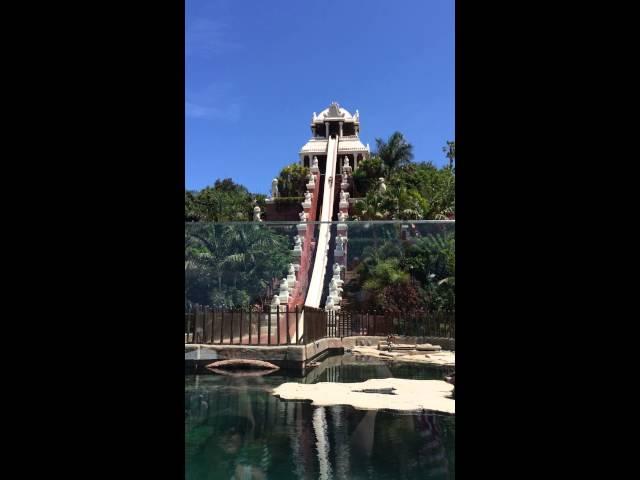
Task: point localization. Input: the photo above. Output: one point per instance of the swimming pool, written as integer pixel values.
(236, 429)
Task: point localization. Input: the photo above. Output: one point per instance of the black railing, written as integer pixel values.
(283, 326)
(315, 324)
(415, 323)
(220, 326)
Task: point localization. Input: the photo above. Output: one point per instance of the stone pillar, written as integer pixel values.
(341, 128)
(313, 130)
(326, 129)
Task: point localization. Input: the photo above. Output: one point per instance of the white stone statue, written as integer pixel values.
(284, 291)
(342, 216)
(346, 162)
(298, 241)
(343, 196)
(274, 188)
(315, 162)
(340, 242)
(256, 214)
(275, 302)
(303, 216)
(383, 187)
(307, 197)
(329, 305)
(336, 268)
(312, 179)
(292, 269)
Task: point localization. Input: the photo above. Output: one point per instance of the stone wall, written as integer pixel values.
(282, 211)
(292, 357)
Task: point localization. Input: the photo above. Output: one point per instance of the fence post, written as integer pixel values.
(375, 330)
(221, 325)
(269, 327)
(288, 335)
(278, 324)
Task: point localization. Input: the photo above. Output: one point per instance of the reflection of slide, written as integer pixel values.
(363, 435)
(322, 442)
(324, 236)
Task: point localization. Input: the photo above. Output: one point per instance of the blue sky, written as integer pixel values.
(257, 70)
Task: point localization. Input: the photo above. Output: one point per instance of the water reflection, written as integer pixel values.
(236, 429)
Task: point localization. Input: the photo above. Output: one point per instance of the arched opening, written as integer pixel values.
(305, 162)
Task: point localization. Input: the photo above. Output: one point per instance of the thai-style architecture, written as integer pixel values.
(332, 154)
(335, 122)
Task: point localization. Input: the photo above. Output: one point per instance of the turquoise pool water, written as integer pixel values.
(235, 429)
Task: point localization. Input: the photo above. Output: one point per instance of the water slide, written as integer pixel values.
(314, 293)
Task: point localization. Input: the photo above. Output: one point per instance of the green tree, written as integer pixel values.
(372, 207)
(225, 201)
(366, 176)
(292, 180)
(232, 265)
(436, 186)
(450, 153)
(394, 152)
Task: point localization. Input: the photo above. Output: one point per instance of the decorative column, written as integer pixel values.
(341, 128)
(326, 129)
(314, 165)
(311, 185)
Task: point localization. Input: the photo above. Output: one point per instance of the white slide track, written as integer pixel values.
(314, 292)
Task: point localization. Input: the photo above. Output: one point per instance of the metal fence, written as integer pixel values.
(282, 325)
(270, 326)
(414, 323)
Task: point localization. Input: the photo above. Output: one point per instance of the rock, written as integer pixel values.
(408, 395)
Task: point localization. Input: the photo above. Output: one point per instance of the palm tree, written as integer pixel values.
(450, 152)
(371, 207)
(234, 261)
(395, 152)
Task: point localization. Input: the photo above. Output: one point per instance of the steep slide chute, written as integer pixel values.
(314, 293)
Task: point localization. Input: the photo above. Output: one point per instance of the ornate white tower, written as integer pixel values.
(336, 122)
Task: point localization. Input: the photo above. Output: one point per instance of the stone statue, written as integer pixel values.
(329, 305)
(303, 216)
(307, 197)
(274, 188)
(383, 187)
(346, 162)
(298, 241)
(340, 242)
(292, 269)
(256, 214)
(336, 268)
(343, 196)
(315, 161)
(342, 216)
